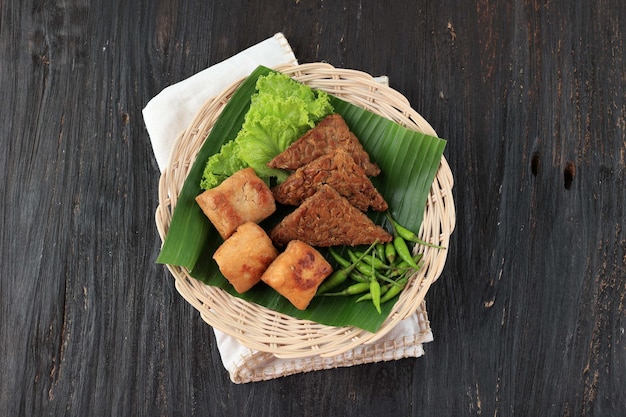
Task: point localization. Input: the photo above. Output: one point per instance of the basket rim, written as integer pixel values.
(279, 334)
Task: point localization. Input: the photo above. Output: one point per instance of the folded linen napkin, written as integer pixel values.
(170, 112)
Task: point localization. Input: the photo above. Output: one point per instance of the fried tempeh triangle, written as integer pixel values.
(328, 219)
(337, 169)
(331, 133)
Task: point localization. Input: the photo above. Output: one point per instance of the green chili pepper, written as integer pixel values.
(403, 251)
(394, 290)
(343, 262)
(390, 252)
(375, 291)
(410, 235)
(404, 232)
(360, 264)
(358, 277)
(385, 278)
(354, 289)
(399, 269)
(340, 276)
(368, 296)
(380, 251)
(334, 280)
(371, 260)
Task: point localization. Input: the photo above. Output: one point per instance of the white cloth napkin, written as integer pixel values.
(170, 112)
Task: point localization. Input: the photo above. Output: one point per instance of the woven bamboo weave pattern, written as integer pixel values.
(265, 330)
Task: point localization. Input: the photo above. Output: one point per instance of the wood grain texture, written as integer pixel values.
(529, 313)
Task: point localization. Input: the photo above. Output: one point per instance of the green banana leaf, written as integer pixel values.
(408, 160)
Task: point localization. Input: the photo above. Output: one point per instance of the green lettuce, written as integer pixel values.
(280, 111)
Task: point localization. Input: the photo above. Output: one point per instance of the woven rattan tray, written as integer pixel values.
(265, 330)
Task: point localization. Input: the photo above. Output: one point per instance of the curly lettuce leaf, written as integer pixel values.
(280, 111)
(222, 165)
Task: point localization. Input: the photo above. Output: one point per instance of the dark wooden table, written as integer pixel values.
(528, 315)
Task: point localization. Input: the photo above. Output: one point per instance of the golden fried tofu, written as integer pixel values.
(240, 198)
(245, 255)
(337, 169)
(297, 272)
(328, 219)
(329, 134)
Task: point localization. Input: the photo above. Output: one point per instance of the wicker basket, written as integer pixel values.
(266, 330)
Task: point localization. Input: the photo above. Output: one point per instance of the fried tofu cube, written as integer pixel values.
(245, 255)
(297, 272)
(240, 198)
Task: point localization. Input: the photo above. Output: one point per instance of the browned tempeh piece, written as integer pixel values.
(331, 133)
(337, 169)
(328, 219)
